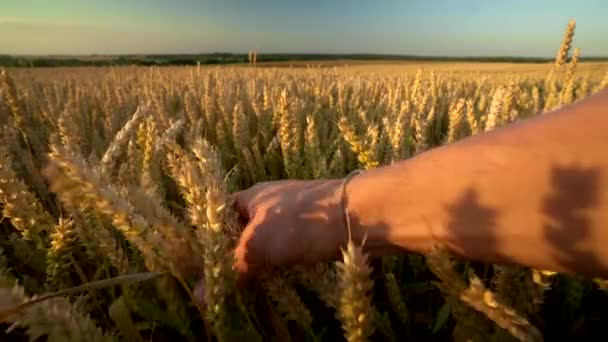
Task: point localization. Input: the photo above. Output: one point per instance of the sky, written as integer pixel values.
(531, 28)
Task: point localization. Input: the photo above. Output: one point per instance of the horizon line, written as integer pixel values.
(346, 54)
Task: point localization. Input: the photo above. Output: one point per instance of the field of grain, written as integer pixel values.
(128, 171)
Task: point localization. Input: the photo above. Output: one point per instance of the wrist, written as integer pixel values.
(363, 222)
(385, 210)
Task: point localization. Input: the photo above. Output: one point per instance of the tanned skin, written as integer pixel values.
(533, 193)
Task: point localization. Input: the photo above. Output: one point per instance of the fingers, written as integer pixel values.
(250, 254)
(255, 250)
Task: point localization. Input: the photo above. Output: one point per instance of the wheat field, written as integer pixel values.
(116, 183)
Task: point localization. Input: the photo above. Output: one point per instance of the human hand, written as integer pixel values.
(289, 222)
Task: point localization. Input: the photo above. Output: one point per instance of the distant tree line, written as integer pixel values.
(227, 58)
(149, 60)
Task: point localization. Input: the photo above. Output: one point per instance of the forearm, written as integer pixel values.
(534, 193)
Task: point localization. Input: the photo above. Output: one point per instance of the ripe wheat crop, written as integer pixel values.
(108, 172)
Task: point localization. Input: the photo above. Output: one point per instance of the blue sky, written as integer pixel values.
(440, 27)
